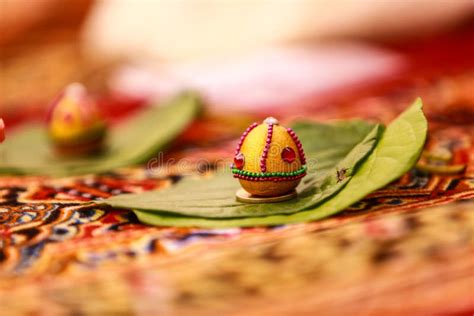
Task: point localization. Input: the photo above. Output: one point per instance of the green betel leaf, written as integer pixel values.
(332, 147)
(396, 152)
(28, 151)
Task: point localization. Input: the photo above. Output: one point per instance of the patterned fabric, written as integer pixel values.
(61, 254)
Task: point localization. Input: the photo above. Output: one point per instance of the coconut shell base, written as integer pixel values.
(269, 188)
(243, 196)
(89, 148)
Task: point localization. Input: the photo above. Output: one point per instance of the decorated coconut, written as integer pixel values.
(269, 162)
(75, 124)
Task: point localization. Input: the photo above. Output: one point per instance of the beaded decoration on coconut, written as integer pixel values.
(75, 125)
(269, 160)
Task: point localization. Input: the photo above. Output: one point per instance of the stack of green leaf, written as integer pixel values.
(28, 150)
(353, 159)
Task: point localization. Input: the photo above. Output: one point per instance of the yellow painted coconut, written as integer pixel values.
(75, 125)
(269, 160)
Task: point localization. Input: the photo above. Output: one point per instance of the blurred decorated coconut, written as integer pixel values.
(75, 124)
(269, 161)
(2, 131)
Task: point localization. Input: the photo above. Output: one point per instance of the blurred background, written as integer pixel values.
(323, 59)
(242, 55)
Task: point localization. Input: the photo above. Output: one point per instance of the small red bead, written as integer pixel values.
(288, 155)
(2, 131)
(239, 161)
